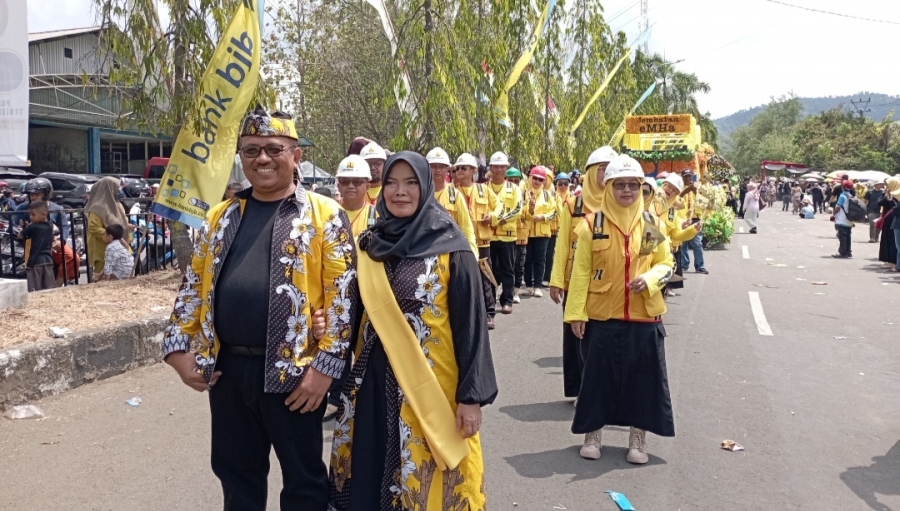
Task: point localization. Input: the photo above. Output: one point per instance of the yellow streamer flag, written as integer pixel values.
(596, 95)
(502, 108)
(198, 170)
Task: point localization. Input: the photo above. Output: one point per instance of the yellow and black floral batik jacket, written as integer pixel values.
(313, 264)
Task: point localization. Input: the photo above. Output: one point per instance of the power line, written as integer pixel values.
(619, 14)
(833, 13)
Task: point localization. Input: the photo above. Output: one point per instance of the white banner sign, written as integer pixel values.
(13, 83)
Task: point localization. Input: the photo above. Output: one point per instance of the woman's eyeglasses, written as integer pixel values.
(631, 186)
(562, 183)
(272, 150)
(538, 179)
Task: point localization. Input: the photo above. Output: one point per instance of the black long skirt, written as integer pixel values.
(887, 251)
(573, 364)
(624, 382)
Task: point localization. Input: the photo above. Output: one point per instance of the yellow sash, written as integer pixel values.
(414, 374)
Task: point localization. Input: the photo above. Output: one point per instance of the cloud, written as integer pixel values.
(46, 15)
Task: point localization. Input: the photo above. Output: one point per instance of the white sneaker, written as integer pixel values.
(516, 298)
(637, 447)
(537, 293)
(591, 448)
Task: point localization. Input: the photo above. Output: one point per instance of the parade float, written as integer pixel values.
(674, 143)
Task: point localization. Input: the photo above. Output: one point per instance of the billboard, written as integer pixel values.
(13, 83)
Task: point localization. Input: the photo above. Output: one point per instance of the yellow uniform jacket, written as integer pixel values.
(359, 219)
(455, 204)
(510, 197)
(544, 206)
(313, 267)
(606, 261)
(482, 202)
(372, 194)
(570, 212)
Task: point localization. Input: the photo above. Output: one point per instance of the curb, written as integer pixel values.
(49, 367)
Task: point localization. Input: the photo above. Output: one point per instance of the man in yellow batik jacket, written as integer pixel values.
(244, 321)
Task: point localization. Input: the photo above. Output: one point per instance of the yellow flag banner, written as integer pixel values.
(198, 170)
(502, 108)
(596, 95)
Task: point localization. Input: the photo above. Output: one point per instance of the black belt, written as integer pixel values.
(246, 351)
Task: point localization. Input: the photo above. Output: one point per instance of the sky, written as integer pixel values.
(747, 50)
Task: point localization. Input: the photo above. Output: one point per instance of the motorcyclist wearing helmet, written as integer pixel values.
(36, 189)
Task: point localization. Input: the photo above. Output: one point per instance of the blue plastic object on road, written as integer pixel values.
(620, 500)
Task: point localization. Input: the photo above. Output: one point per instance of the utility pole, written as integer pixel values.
(861, 110)
(645, 24)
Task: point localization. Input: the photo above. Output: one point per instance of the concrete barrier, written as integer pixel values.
(13, 293)
(44, 368)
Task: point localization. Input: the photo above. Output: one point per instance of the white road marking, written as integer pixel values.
(745, 251)
(759, 316)
(740, 229)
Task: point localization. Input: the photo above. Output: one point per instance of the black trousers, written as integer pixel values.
(246, 424)
(844, 234)
(535, 259)
(502, 259)
(520, 264)
(551, 250)
(487, 288)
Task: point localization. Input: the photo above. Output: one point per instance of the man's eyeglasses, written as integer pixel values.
(631, 186)
(272, 150)
(454, 170)
(355, 183)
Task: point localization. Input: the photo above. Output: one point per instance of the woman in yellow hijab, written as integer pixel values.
(615, 306)
(570, 213)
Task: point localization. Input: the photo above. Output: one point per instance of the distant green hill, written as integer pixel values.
(881, 105)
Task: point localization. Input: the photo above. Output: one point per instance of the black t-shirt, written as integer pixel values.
(242, 291)
(38, 238)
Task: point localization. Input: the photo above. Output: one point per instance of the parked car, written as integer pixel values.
(71, 190)
(133, 185)
(155, 169)
(14, 177)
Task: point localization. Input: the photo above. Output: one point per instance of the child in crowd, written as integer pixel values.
(118, 262)
(38, 236)
(65, 260)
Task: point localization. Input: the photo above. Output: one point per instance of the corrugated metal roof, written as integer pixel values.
(57, 34)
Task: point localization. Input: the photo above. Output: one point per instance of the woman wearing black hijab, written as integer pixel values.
(406, 436)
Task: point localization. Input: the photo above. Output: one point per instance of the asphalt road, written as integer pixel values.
(815, 404)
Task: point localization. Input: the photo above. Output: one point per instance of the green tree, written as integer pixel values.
(768, 136)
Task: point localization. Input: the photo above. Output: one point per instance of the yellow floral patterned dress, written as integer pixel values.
(379, 453)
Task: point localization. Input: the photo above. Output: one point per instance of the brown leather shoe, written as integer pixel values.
(490, 322)
(506, 309)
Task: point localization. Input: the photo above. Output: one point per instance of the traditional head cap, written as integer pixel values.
(354, 166)
(258, 123)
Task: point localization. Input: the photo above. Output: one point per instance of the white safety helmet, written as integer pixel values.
(438, 155)
(354, 166)
(605, 154)
(466, 160)
(623, 166)
(499, 158)
(676, 181)
(650, 181)
(373, 151)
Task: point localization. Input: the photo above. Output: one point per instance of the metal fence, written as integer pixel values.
(151, 243)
